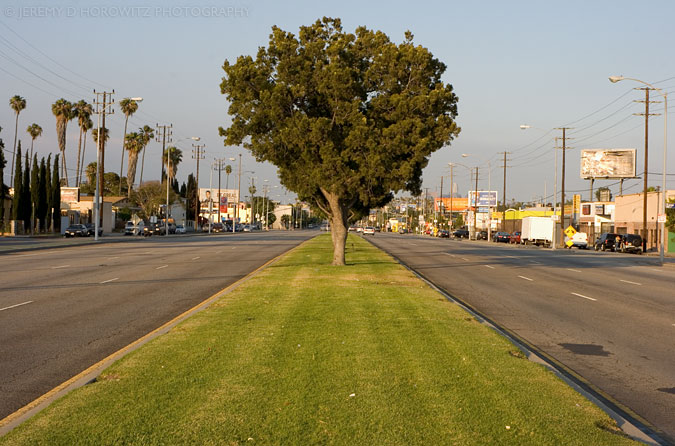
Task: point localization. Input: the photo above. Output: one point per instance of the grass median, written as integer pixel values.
(307, 353)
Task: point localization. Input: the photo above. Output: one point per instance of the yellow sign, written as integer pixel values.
(569, 243)
(570, 231)
(576, 203)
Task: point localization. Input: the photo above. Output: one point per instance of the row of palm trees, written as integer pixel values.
(133, 143)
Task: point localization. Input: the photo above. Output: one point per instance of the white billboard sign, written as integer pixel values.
(608, 163)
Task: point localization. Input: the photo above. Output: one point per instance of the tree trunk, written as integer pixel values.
(124, 138)
(338, 222)
(77, 166)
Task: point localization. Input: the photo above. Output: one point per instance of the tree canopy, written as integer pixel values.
(348, 119)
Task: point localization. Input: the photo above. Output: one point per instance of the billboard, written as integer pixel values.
(485, 198)
(608, 163)
(70, 194)
(458, 204)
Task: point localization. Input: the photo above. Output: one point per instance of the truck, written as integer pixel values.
(537, 231)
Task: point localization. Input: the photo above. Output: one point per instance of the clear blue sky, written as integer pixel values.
(541, 63)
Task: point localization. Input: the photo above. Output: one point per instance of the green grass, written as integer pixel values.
(306, 353)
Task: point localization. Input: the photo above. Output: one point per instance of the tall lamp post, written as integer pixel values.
(168, 167)
(615, 79)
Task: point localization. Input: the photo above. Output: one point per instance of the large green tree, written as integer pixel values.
(63, 112)
(55, 190)
(34, 190)
(35, 131)
(26, 205)
(41, 211)
(128, 106)
(83, 111)
(48, 191)
(3, 189)
(18, 186)
(348, 119)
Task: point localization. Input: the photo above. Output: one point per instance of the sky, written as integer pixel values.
(541, 63)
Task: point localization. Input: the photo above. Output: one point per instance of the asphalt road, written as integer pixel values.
(609, 317)
(64, 309)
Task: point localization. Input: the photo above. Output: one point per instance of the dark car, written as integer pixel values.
(76, 231)
(515, 237)
(461, 233)
(605, 242)
(631, 243)
(503, 237)
(482, 235)
(91, 229)
(444, 233)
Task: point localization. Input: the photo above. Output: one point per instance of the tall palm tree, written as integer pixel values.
(35, 131)
(228, 171)
(85, 126)
(148, 133)
(18, 104)
(83, 111)
(128, 107)
(133, 143)
(175, 157)
(63, 111)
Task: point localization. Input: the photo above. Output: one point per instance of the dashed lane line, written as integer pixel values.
(573, 270)
(195, 258)
(448, 254)
(60, 266)
(113, 258)
(489, 266)
(526, 278)
(585, 297)
(628, 281)
(465, 259)
(163, 266)
(16, 305)
(110, 280)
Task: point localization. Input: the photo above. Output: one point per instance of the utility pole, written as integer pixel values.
(197, 154)
(504, 193)
(646, 114)
(219, 165)
(102, 108)
(441, 203)
(234, 224)
(562, 184)
(164, 138)
(475, 207)
(452, 190)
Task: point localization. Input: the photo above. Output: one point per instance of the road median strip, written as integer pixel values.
(308, 353)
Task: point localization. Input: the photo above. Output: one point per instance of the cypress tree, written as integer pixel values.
(16, 202)
(34, 189)
(48, 190)
(2, 184)
(26, 197)
(56, 196)
(41, 208)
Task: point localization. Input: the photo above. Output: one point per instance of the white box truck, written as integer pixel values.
(537, 231)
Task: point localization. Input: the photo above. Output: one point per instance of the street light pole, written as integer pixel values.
(168, 175)
(615, 79)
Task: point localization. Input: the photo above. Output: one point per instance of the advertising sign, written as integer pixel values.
(485, 198)
(457, 204)
(70, 194)
(223, 205)
(608, 163)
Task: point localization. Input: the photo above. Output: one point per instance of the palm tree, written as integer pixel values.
(175, 157)
(85, 126)
(228, 171)
(128, 107)
(35, 131)
(63, 111)
(17, 103)
(133, 143)
(83, 111)
(148, 133)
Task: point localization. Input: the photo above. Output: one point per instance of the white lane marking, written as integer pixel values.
(573, 270)
(534, 261)
(110, 280)
(585, 297)
(628, 281)
(511, 257)
(412, 244)
(113, 258)
(448, 254)
(17, 305)
(25, 255)
(526, 278)
(465, 259)
(163, 266)
(195, 258)
(60, 266)
(489, 266)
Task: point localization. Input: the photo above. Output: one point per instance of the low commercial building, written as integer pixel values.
(628, 217)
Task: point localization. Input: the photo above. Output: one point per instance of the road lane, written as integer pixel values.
(571, 305)
(109, 296)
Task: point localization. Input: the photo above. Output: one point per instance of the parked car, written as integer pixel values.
(461, 233)
(91, 229)
(154, 229)
(444, 233)
(352, 229)
(368, 230)
(325, 227)
(132, 228)
(402, 230)
(180, 229)
(217, 227)
(503, 237)
(515, 237)
(631, 243)
(579, 240)
(76, 231)
(482, 235)
(605, 242)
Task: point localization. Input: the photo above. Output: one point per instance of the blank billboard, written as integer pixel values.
(608, 163)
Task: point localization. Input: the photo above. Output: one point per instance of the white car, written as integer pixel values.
(180, 229)
(368, 230)
(579, 240)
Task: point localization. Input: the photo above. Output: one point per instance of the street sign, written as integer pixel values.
(570, 231)
(661, 218)
(670, 205)
(569, 243)
(485, 198)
